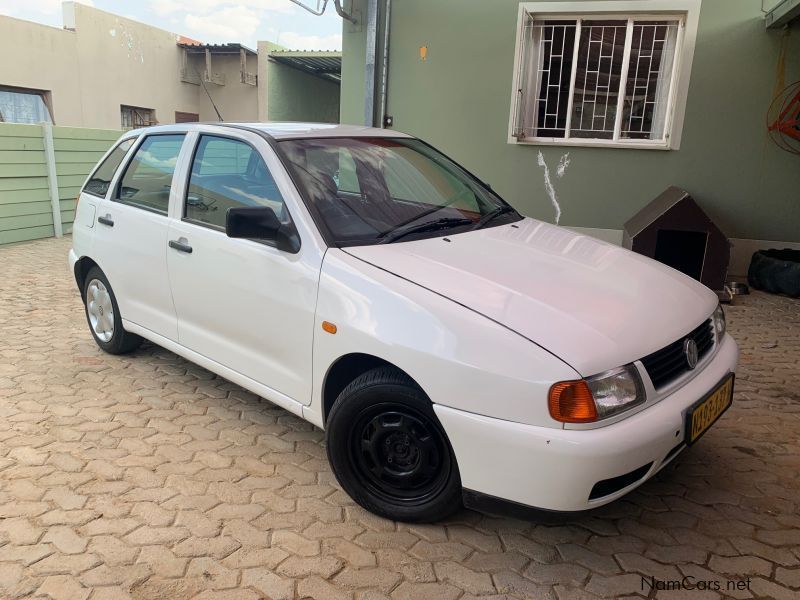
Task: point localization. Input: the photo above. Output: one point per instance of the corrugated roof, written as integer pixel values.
(322, 63)
(232, 48)
(783, 13)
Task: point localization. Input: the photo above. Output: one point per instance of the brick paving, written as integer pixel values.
(145, 476)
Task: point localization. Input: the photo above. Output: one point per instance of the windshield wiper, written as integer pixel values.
(491, 216)
(395, 234)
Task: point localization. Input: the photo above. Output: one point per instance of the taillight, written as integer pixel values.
(572, 402)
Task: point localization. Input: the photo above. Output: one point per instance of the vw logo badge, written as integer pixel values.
(690, 351)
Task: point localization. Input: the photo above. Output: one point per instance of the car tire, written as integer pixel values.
(107, 330)
(388, 450)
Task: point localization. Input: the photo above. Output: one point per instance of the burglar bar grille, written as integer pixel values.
(596, 89)
(556, 42)
(595, 78)
(652, 57)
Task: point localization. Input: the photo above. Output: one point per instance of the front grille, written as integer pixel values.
(669, 363)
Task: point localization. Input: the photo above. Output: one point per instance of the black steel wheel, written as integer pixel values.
(389, 451)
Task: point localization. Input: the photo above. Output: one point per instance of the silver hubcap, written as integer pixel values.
(100, 310)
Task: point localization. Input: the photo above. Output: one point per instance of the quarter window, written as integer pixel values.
(101, 178)
(148, 177)
(599, 79)
(228, 173)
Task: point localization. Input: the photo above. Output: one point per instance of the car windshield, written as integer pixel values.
(369, 190)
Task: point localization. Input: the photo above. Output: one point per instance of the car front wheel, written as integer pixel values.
(389, 451)
(102, 314)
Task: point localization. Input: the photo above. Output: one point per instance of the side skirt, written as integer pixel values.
(273, 396)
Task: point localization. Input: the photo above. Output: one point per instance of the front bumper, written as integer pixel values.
(557, 469)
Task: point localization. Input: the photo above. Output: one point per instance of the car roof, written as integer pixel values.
(279, 131)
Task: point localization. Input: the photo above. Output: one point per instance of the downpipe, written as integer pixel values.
(386, 121)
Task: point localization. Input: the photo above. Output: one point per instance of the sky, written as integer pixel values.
(210, 21)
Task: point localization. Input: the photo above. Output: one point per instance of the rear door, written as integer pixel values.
(131, 234)
(244, 304)
(93, 193)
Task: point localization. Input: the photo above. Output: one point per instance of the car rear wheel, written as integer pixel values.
(389, 451)
(102, 314)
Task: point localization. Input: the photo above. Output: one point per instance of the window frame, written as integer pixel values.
(133, 108)
(195, 117)
(687, 12)
(188, 181)
(45, 95)
(125, 165)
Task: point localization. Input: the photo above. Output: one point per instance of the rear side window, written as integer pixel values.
(227, 173)
(101, 179)
(148, 177)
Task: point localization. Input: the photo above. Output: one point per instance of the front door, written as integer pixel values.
(244, 304)
(131, 238)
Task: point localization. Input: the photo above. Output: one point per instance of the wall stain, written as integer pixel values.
(561, 169)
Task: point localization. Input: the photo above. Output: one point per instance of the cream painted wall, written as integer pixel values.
(51, 67)
(235, 100)
(125, 62)
(102, 61)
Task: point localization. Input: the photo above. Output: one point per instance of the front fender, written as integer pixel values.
(460, 358)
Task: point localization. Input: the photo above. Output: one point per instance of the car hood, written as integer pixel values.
(594, 305)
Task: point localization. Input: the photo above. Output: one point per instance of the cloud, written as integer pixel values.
(206, 7)
(44, 7)
(298, 41)
(225, 25)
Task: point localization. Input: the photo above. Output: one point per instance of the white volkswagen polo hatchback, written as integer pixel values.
(362, 280)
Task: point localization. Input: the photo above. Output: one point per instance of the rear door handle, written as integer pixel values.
(107, 220)
(181, 245)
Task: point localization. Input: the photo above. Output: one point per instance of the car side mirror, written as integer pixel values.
(262, 224)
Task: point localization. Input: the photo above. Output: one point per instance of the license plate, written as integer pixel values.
(704, 413)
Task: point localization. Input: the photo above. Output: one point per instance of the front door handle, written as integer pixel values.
(181, 245)
(107, 220)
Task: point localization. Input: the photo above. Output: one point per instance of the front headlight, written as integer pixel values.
(616, 391)
(718, 318)
(595, 398)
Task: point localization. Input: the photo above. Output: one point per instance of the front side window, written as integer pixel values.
(148, 177)
(19, 105)
(101, 178)
(596, 78)
(378, 190)
(228, 173)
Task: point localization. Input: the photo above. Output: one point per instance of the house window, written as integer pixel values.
(135, 116)
(602, 78)
(186, 117)
(19, 105)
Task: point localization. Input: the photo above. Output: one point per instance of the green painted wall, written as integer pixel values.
(297, 96)
(354, 41)
(459, 101)
(25, 208)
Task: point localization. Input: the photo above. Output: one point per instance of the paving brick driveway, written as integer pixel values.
(148, 477)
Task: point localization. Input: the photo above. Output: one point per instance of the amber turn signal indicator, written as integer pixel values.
(572, 402)
(329, 327)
